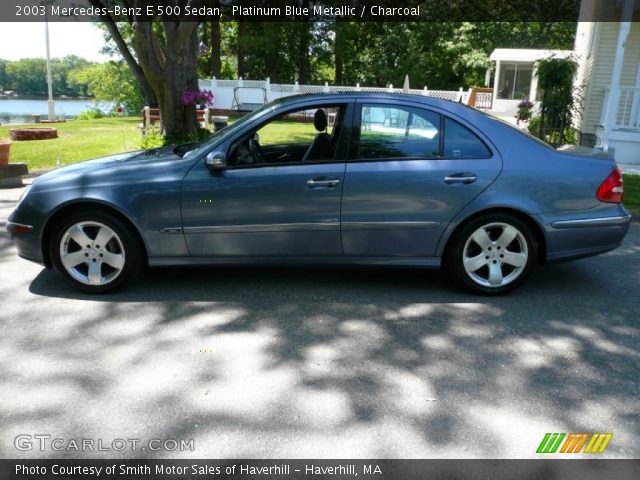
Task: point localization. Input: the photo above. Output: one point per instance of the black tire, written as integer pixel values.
(454, 264)
(127, 244)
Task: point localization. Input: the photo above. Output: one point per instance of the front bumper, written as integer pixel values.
(26, 240)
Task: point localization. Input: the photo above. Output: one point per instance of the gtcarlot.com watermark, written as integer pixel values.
(46, 443)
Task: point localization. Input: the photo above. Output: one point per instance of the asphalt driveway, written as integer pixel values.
(337, 363)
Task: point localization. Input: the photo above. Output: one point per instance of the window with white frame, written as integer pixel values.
(515, 80)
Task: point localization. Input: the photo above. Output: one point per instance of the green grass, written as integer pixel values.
(78, 140)
(287, 131)
(632, 193)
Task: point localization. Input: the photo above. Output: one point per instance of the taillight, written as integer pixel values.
(611, 190)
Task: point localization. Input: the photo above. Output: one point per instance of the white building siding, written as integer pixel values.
(585, 41)
(597, 68)
(603, 57)
(631, 56)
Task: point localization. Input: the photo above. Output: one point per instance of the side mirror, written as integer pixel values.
(216, 161)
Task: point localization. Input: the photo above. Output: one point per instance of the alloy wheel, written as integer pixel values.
(92, 253)
(495, 255)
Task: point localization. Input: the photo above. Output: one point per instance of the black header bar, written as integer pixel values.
(312, 10)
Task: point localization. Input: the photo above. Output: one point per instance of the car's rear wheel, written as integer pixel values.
(95, 251)
(492, 254)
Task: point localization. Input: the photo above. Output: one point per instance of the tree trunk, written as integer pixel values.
(337, 52)
(216, 66)
(304, 64)
(272, 57)
(170, 72)
(241, 48)
(180, 74)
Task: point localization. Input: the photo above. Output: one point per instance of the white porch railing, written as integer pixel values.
(627, 110)
(254, 91)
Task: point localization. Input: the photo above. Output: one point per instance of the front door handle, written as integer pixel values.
(322, 182)
(463, 178)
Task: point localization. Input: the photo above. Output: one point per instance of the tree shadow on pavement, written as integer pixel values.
(328, 362)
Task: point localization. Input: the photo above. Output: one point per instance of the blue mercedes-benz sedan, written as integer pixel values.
(352, 178)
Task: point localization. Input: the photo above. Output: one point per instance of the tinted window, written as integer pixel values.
(460, 142)
(398, 132)
(295, 127)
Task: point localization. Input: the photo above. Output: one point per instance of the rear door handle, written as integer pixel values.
(463, 178)
(322, 182)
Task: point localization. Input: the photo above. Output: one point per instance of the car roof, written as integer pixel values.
(425, 100)
(364, 95)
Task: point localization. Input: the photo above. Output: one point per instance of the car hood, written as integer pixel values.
(111, 163)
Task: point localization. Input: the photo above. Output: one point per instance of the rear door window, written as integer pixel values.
(388, 131)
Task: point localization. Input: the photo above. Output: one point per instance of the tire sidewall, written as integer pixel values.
(133, 260)
(454, 255)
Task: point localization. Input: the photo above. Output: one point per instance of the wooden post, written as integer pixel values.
(147, 117)
(471, 97)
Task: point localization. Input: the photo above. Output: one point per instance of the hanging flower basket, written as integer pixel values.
(5, 150)
(197, 97)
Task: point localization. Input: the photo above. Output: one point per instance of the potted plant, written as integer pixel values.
(524, 111)
(5, 148)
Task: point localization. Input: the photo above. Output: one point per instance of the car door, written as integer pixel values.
(274, 208)
(411, 170)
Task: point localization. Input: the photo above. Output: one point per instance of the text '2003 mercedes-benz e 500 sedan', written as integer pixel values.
(376, 179)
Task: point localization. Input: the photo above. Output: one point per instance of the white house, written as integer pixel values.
(608, 48)
(515, 77)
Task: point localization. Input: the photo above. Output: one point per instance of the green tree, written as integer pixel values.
(111, 82)
(62, 70)
(28, 76)
(119, 42)
(3, 75)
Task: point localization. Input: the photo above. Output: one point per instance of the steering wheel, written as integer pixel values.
(256, 150)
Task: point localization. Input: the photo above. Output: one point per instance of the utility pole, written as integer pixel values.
(51, 103)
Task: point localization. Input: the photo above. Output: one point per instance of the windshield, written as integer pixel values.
(205, 145)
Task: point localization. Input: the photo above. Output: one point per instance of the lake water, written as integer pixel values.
(20, 111)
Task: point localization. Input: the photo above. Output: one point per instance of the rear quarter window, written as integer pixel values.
(460, 142)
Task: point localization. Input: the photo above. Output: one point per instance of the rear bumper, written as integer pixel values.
(574, 236)
(615, 221)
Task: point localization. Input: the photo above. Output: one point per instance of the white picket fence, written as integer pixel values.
(255, 91)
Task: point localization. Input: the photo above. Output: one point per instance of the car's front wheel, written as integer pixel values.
(492, 254)
(95, 251)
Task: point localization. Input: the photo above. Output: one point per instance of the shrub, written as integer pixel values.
(90, 114)
(558, 104)
(552, 137)
(153, 138)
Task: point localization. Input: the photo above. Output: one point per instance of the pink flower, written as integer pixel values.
(197, 97)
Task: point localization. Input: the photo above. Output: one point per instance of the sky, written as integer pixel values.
(27, 40)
